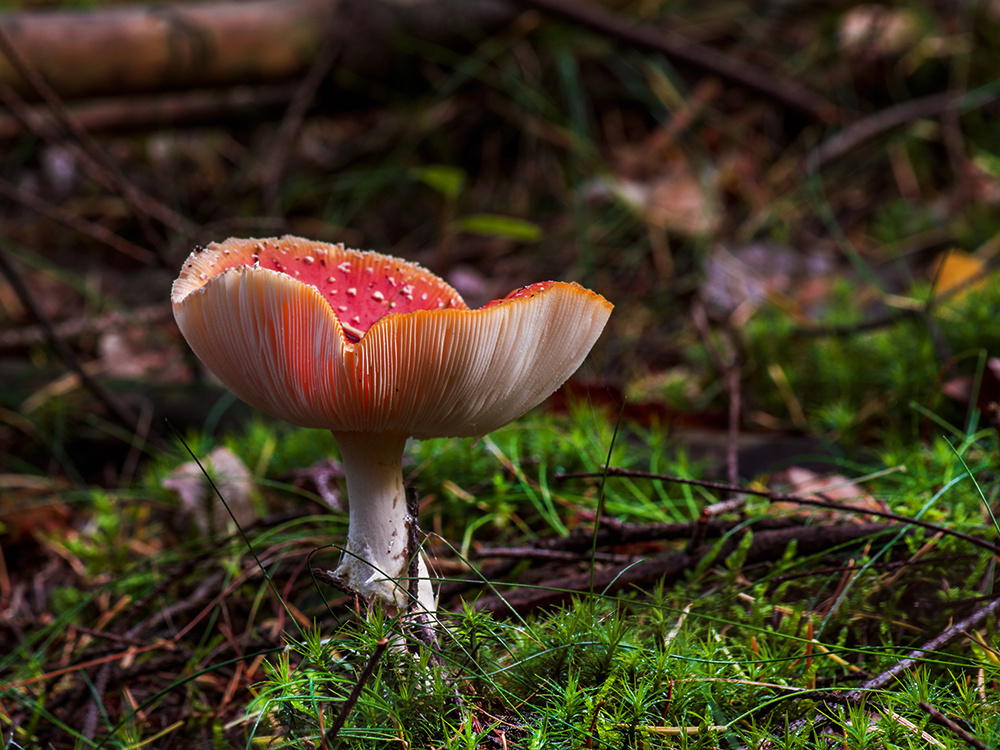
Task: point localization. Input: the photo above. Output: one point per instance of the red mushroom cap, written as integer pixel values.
(352, 341)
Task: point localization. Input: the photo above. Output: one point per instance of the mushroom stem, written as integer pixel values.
(376, 561)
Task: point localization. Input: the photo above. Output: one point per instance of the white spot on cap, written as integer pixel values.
(345, 267)
(342, 308)
(423, 296)
(204, 276)
(391, 280)
(377, 295)
(356, 319)
(330, 279)
(352, 292)
(309, 259)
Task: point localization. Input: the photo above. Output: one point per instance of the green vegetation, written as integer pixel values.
(728, 653)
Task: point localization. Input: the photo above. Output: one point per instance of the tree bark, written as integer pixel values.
(147, 48)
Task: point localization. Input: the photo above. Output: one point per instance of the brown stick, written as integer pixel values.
(76, 223)
(614, 532)
(766, 545)
(143, 206)
(785, 498)
(20, 338)
(541, 553)
(121, 412)
(937, 643)
(366, 673)
(878, 123)
(789, 93)
(272, 165)
(952, 726)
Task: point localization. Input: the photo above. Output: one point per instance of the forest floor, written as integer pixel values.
(761, 515)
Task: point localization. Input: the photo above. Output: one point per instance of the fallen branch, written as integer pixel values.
(786, 498)
(77, 223)
(959, 629)
(122, 413)
(766, 545)
(874, 125)
(952, 726)
(791, 94)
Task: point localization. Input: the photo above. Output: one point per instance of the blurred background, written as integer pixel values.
(793, 190)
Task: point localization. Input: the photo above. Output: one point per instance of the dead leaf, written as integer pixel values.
(750, 275)
(674, 198)
(198, 500)
(988, 396)
(321, 479)
(28, 506)
(835, 488)
(958, 270)
(871, 31)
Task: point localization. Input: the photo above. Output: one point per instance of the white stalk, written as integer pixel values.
(376, 561)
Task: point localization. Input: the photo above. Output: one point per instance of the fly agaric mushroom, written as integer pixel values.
(377, 350)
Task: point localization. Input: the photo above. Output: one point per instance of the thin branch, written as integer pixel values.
(107, 171)
(273, 163)
(950, 724)
(20, 338)
(766, 546)
(789, 93)
(937, 643)
(152, 111)
(77, 223)
(904, 314)
(366, 673)
(876, 124)
(784, 498)
(121, 412)
(413, 548)
(541, 553)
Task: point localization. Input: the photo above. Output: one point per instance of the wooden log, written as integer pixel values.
(148, 48)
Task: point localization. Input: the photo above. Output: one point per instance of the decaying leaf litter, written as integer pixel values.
(771, 199)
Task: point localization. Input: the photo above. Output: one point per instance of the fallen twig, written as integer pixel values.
(949, 724)
(540, 553)
(789, 93)
(76, 223)
(120, 411)
(614, 532)
(883, 680)
(366, 673)
(785, 498)
(102, 168)
(876, 124)
(766, 545)
(273, 163)
(151, 112)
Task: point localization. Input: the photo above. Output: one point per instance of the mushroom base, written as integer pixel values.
(376, 560)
